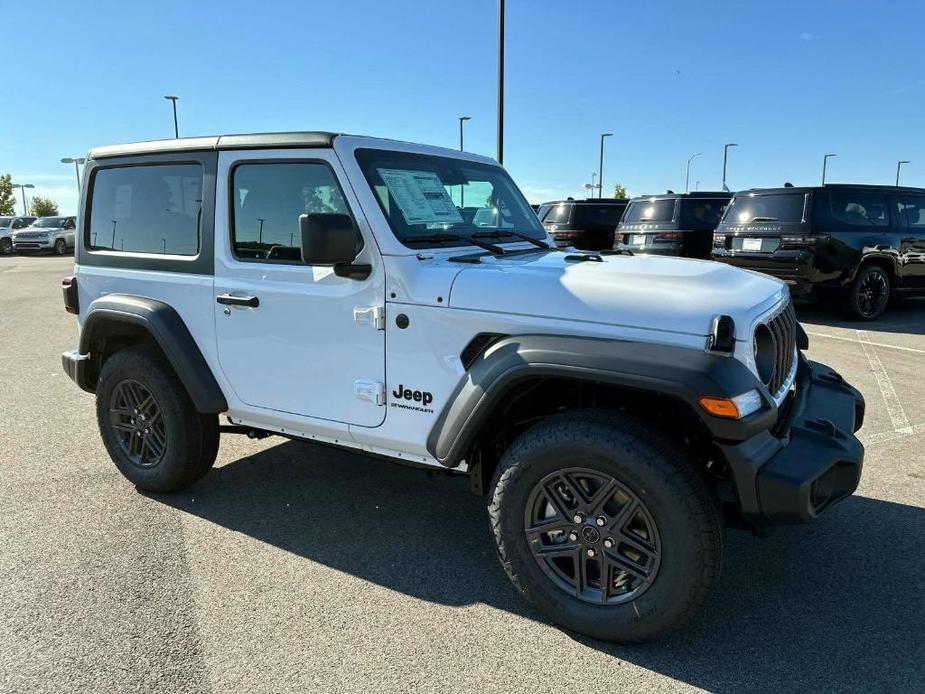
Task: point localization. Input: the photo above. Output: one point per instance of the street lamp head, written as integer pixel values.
(24, 185)
(904, 161)
(170, 97)
(73, 160)
(606, 134)
(465, 118)
(731, 144)
(831, 155)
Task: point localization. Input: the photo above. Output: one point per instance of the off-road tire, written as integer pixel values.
(856, 306)
(192, 438)
(660, 473)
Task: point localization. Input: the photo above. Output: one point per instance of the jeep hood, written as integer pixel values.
(648, 292)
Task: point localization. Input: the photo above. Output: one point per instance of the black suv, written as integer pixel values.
(679, 224)
(585, 224)
(858, 243)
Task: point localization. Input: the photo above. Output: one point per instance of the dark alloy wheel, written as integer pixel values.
(60, 246)
(605, 523)
(149, 424)
(139, 423)
(6, 246)
(870, 293)
(592, 536)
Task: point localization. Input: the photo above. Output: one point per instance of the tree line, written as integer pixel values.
(40, 206)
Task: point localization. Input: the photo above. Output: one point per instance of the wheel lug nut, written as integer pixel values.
(608, 543)
(591, 552)
(579, 518)
(601, 521)
(573, 537)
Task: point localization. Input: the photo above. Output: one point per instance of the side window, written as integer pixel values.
(146, 209)
(859, 208)
(913, 207)
(20, 224)
(269, 198)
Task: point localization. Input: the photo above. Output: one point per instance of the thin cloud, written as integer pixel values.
(807, 36)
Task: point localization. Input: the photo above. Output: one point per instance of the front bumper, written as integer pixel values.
(810, 461)
(33, 244)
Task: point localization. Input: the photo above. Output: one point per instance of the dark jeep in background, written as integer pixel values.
(588, 225)
(679, 224)
(857, 244)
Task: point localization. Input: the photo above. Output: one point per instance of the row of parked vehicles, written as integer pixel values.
(855, 245)
(25, 234)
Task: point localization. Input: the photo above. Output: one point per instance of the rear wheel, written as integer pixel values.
(870, 293)
(149, 425)
(609, 530)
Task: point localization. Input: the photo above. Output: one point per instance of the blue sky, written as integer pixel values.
(787, 81)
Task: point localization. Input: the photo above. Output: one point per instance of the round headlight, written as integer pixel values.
(764, 353)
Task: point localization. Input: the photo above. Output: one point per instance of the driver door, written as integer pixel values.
(294, 338)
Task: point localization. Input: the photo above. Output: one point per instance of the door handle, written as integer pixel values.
(229, 300)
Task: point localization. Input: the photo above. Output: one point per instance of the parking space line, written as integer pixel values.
(875, 344)
(893, 406)
(884, 436)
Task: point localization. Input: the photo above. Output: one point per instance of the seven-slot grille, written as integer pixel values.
(783, 329)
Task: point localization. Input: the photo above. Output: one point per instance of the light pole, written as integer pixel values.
(76, 161)
(500, 81)
(825, 160)
(462, 119)
(260, 231)
(176, 127)
(899, 165)
(22, 187)
(687, 176)
(591, 186)
(600, 175)
(725, 157)
(462, 188)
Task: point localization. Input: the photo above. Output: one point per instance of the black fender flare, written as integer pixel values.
(680, 372)
(163, 323)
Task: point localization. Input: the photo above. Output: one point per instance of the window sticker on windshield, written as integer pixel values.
(420, 196)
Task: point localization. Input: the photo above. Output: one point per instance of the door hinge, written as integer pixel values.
(373, 391)
(371, 315)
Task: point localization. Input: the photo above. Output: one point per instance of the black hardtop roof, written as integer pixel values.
(692, 195)
(883, 188)
(282, 140)
(587, 201)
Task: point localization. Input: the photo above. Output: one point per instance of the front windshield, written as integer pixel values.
(49, 222)
(428, 200)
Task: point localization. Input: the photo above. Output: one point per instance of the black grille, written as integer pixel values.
(783, 329)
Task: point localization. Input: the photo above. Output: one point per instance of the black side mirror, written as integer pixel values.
(329, 239)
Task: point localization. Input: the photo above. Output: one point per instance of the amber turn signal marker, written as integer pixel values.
(720, 407)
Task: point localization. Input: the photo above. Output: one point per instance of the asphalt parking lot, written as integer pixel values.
(293, 567)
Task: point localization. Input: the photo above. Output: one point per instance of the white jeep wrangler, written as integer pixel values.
(404, 300)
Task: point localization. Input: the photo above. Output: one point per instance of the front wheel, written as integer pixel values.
(605, 527)
(60, 247)
(6, 246)
(869, 294)
(149, 425)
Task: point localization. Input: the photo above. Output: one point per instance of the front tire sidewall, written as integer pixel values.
(687, 521)
(60, 247)
(6, 247)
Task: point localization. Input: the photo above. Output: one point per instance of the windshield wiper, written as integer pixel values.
(436, 238)
(497, 234)
(764, 219)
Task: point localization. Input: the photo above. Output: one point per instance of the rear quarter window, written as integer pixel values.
(853, 208)
(146, 209)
